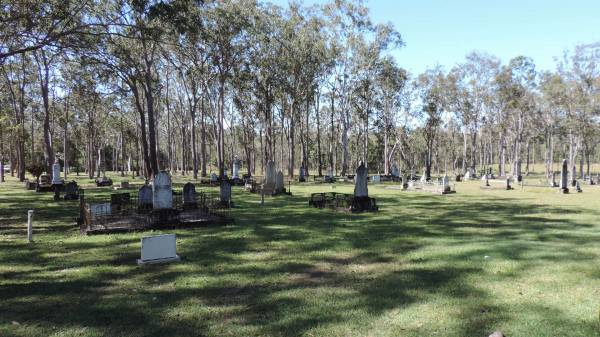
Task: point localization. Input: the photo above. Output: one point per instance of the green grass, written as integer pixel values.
(525, 262)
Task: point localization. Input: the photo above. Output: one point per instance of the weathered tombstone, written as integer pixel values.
(145, 197)
(213, 178)
(71, 191)
(159, 249)
(360, 185)
(236, 168)
(162, 193)
(189, 196)
(395, 171)
(574, 176)
(225, 192)
(279, 187)
(56, 173)
(301, 177)
(376, 179)
(100, 210)
(270, 174)
(564, 177)
(578, 187)
(468, 175)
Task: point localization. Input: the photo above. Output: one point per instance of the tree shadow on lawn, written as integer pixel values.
(289, 292)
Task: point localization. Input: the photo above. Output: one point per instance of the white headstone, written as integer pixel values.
(162, 194)
(236, 169)
(56, 173)
(159, 249)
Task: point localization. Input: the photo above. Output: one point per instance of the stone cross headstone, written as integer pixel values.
(564, 177)
(56, 173)
(189, 194)
(270, 174)
(145, 197)
(279, 182)
(225, 192)
(360, 185)
(162, 192)
(159, 249)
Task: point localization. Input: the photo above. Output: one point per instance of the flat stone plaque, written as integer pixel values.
(159, 249)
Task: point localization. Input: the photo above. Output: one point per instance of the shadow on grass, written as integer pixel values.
(284, 269)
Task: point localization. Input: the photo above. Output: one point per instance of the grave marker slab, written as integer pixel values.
(159, 249)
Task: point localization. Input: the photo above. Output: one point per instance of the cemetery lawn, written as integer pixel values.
(526, 262)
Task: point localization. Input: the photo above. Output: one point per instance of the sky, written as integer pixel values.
(443, 32)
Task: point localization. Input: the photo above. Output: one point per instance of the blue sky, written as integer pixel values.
(444, 31)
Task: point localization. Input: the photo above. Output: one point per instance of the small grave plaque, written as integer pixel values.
(159, 249)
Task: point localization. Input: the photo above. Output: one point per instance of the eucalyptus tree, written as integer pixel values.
(468, 94)
(580, 70)
(225, 26)
(390, 85)
(17, 77)
(431, 88)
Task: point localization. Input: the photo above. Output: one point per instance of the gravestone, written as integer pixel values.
(162, 193)
(395, 171)
(360, 184)
(301, 176)
(574, 176)
(236, 168)
(508, 186)
(271, 174)
(213, 178)
(376, 179)
(279, 188)
(56, 173)
(71, 191)
(564, 178)
(189, 196)
(578, 187)
(99, 210)
(159, 249)
(225, 192)
(145, 198)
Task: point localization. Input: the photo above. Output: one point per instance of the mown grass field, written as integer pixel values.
(526, 262)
